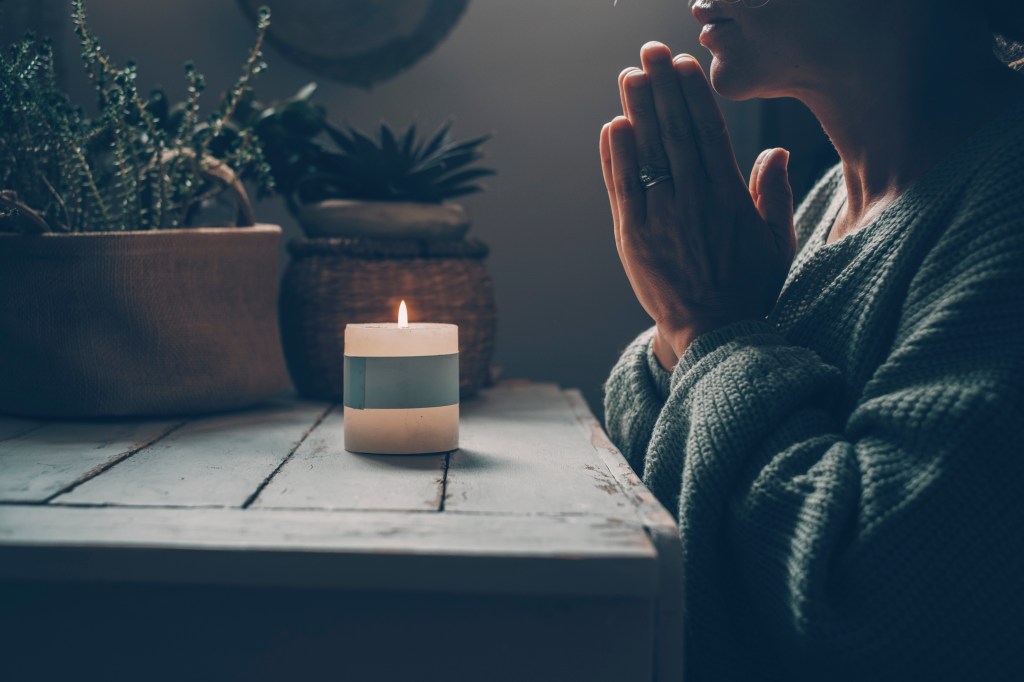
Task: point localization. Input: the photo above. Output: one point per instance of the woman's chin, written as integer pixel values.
(730, 80)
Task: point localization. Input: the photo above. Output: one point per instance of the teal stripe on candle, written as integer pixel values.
(355, 382)
(399, 383)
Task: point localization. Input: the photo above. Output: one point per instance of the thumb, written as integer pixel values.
(775, 195)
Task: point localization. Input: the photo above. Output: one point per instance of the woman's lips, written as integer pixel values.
(706, 12)
(713, 32)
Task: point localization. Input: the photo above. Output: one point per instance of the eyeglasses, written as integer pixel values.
(754, 4)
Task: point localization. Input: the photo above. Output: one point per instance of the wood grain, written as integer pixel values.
(539, 509)
(216, 461)
(323, 475)
(664, 534)
(521, 452)
(349, 550)
(42, 462)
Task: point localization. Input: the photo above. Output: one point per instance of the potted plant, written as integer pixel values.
(398, 186)
(380, 227)
(114, 297)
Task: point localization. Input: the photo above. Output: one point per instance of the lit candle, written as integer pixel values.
(401, 387)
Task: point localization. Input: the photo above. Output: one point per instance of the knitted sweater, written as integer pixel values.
(849, 473)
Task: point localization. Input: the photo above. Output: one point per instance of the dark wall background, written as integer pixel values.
(538, 74)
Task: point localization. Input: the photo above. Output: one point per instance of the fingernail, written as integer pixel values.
(636, 80)
(656, 51)
(686, 63)
(785, 159)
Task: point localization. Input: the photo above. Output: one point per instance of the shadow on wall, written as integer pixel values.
(541, 76)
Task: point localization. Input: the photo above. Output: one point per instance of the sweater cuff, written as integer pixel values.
(716, 345)
(660, 377)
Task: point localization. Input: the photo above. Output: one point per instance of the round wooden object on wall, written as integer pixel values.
(355, 41)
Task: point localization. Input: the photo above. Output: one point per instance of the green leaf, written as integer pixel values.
(438, 139)
(157, 105)
(365, 147)
(462, 191)
(407, 141)
(464, 176)
(468, 144)
(341, 139)
(448, 164)
(388, 143)
(305, 92)
(302, 118)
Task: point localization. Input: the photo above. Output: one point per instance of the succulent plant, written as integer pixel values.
(397, 167)
(393, 167)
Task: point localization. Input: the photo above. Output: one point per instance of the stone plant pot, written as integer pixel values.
(384, 220)
(158, 322)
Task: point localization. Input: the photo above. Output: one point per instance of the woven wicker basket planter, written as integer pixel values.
(334, 282)
(139, 323)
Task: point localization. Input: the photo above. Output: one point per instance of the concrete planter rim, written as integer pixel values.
(384, 219)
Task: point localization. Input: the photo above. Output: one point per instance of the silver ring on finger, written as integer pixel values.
(652, 175)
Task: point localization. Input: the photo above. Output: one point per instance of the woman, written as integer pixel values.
(841, 434)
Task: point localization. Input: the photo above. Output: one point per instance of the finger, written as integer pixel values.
(709, 129)
(622, 86)
(629, 194)
(673, 116)
(752, 185)
(775, 195)
(609, 183)
(640, 111)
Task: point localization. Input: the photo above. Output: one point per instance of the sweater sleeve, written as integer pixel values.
(633, 398)
(638, 387)
(853, 541)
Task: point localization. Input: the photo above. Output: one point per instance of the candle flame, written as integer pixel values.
(403, 316)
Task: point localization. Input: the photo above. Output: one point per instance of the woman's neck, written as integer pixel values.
(893, 122)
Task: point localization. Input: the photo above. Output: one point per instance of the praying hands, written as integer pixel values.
(700, 247)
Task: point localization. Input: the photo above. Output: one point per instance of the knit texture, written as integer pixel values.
(848, 473)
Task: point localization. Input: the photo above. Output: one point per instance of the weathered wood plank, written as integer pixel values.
(664, 534)
(650, 511)
(215, 461)
(44, 461)
(429, 552)
(12, 427)
(323, 475)
(522, 452)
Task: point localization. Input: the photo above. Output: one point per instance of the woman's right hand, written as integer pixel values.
(707, 248)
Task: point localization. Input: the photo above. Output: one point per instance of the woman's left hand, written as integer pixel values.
(703, 248)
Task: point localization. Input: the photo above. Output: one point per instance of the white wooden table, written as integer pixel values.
(252, 546)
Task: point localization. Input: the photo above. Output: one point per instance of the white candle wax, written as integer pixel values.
(401, 388)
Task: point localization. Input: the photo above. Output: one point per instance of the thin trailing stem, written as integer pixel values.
(93, 188)
(253, 66)
(60, 202)
(131, 166)
(11, 201)
(90, 45)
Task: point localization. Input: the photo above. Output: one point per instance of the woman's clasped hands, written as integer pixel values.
(702, 248)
